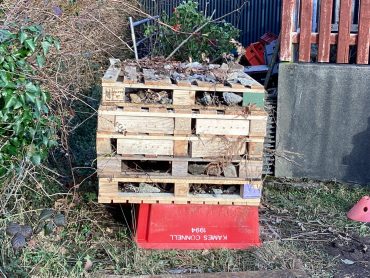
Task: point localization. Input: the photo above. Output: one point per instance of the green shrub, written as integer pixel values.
(212, 41)
(27, 128)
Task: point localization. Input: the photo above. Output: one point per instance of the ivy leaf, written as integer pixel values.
(23, 36)
(46, 214)
(60, 220)
(11, 102)
(13, 228)
(40, 61)
(45, 47)
(30, 44)
(49, 228)
(36, 159)
(18, 241)
(26, 231)
(30, 87)
(30, 98)
(5, 35)
(57, 44)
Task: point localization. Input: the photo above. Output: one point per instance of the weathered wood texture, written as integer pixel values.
(364, 33)
(325, 31)
(303, 35)
(109, 191)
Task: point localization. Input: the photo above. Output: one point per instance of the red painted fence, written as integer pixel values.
(297, 36)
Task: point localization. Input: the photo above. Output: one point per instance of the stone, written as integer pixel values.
(147, 188)
(196, 169)
(230, 171)
(135, 98)
(217, 191)
(232, 98)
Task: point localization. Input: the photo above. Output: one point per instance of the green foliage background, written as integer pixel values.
(27, 128)
(213, 40)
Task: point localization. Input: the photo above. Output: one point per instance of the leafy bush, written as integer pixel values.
(213, 40)
(27, 128)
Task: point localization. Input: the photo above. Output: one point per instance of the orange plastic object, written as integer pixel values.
(255, 54)
(360, 211)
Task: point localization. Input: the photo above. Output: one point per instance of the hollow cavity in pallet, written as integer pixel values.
(118, 86)
(228, 168)
(179, 146)
(180, 191)
(149, 120)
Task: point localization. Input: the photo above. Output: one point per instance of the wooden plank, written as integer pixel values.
(305, 31)
(179, 168)
(150, 147)
(250, 169)
(326, 8)
(287, 17)
(344, 31)
(130, 75)
(103, 146)
(183, 97)
(107, 135)
(333, 38)
(363, 33)
(214, 88)
(181, 148)
(212, 114)
(258, 127)
(111, 75)
(217, 147)
(255, 150)
(109, 165)
(222, 127)
(146, 124)
(106, 123)
(165, 198)
(113, 94)
(189, 179)
(181, 189)
(182, 126)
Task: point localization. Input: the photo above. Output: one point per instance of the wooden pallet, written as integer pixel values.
(118, 83)
(109, 191)
(179, 146)
(166, 166)
(138, 119)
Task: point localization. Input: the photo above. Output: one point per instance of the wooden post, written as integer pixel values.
(305, 31)
(326, 9)
(363, 33)
(344, 31)
(287, 29)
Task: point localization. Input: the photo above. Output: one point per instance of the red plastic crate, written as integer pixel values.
(268, 38)
(255, 54)
(197, 227)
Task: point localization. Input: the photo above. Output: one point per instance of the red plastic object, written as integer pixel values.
(255, 54)
(268, 38)
(360, 211)
(162, 226)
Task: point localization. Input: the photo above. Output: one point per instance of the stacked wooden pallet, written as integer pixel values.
(179, 152)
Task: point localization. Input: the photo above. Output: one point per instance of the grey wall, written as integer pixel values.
(323, 125)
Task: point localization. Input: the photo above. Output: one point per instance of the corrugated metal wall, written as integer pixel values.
(256, 18)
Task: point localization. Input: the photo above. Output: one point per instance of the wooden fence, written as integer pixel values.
(297, 36)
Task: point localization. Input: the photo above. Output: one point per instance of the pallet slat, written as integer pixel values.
(326, 8)
(305, 31)
(363, 33)
(287, 17)
(344, 31)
